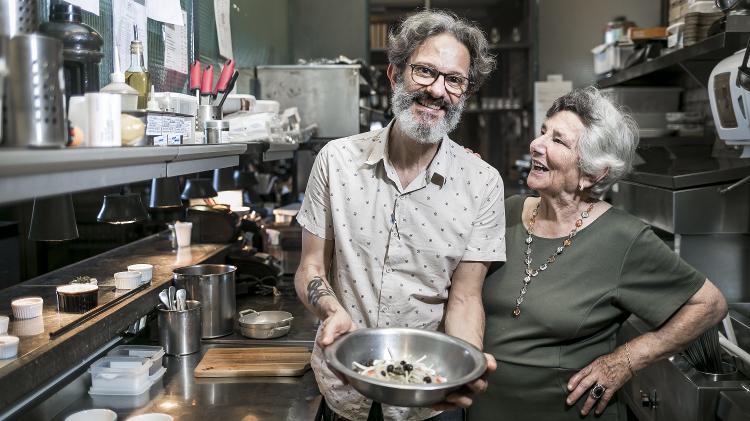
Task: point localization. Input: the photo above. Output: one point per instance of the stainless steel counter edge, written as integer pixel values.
(21, 376)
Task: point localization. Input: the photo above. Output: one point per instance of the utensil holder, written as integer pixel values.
(36, 92)
(180, 331)
(206, 113)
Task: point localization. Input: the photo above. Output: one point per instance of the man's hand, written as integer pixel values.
(464, 397)
(334, 326)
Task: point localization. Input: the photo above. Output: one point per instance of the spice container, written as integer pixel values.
(77, 298)
(216, 131)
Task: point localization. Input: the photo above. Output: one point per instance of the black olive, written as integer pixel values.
(389, 368)
(427, 379)
(382, 373)
(408, 367)
(368, 363)
(403, 362)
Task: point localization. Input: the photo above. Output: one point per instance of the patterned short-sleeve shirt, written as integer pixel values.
(395, 249)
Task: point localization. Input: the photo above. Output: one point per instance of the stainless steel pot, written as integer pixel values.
(265, 324)
(213, 286)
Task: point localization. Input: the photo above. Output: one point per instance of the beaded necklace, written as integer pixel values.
(530, 273)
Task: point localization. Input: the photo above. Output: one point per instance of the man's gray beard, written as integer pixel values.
(412, 126)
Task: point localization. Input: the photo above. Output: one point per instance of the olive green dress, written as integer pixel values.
(615, 267)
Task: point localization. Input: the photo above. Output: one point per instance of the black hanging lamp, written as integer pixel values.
(53, 219)
(165, 193)
(122, 208)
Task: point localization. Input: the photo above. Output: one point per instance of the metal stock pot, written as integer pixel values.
(265, 324)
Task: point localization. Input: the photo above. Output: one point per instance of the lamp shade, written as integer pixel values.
(53, 219)
(224, 179)
(165, 193)
(122, 209)
(198, 188)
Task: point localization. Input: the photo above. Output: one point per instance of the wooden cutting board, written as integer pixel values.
(263, 361)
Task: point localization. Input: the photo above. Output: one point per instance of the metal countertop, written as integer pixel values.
(185, 397)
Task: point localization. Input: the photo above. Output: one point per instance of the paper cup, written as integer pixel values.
(182, 231)
(27, 307)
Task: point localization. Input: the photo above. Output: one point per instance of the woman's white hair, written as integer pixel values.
(610, 137)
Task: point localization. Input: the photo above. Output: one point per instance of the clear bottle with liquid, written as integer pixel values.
(137, 76)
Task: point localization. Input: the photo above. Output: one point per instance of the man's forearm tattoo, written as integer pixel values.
(317, 289)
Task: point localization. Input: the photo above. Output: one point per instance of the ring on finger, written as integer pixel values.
(597, 391)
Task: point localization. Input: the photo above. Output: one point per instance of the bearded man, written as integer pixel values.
(401, 224)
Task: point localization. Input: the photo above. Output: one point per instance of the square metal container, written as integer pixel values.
(327, 95)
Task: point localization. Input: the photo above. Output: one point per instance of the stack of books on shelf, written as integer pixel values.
(378, 35)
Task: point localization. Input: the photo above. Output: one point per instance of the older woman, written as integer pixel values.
(576, 269)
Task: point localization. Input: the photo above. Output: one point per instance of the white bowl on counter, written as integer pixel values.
(146, 270)
(127, 280)
(4, 320)
(8, 347)
(27, 307)
(93, 415)
(153, 416)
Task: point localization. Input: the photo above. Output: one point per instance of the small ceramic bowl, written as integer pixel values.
(77, 298)
(127, 280)
(153, 416)
(4, 324)
(27, 307)
(8, 347)
(93, 415)
(145, 269)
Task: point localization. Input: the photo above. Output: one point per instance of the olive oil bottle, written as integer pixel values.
(137, 76)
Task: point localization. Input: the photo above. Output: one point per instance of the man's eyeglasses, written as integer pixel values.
(426, 76)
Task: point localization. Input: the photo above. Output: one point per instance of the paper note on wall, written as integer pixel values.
(125, 15)
(545, 93)
(175, 46)
(167, 11)
(87, 5)
(223, 28)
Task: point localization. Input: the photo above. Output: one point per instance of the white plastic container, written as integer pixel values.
(176, 103)
(146, 270)
(8, 347)
(127, 280)
(152, 353)
(120, 376)
(27, 307)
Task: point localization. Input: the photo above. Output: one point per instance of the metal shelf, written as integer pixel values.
(697, 60)
(28, 173)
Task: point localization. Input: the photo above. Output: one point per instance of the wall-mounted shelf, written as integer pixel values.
(28, 173)
(697, 60)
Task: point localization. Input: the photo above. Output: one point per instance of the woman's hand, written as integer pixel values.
(610, 370)
(334, 326)
(463, 397)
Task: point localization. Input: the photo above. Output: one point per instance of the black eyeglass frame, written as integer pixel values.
(438, 73)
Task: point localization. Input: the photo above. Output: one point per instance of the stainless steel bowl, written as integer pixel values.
(457, 360)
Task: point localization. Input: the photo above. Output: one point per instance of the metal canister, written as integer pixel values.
(36, 92)
(213, 286)
(179, 330)
(216, 131)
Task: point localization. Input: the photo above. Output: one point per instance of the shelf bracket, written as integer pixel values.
(699, 70)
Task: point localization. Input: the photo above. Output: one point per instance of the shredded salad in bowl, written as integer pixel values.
(399, 371)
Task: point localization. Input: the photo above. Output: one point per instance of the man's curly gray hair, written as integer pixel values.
(415, 29)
